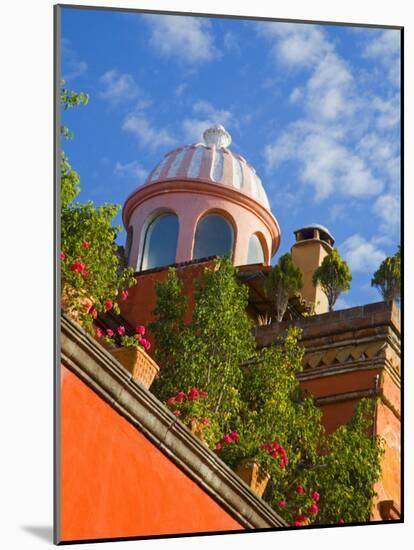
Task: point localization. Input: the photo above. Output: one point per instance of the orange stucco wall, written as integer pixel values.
(116, 483)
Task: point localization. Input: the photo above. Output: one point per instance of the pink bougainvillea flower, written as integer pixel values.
(176, 413)
(297, 523)
(85, 244)
(316, 496)
(62, 256)
(205, 421)
(313, 509)
(109, 332)
(193, 394)
(146, 344)
(302, 519)
(282, 465)
(121, 330)
(218, 446)
(98, 332)
(234, 436)
(124, 295)
(140, 329)
(179, 398)
(203, 393)
(341, 520)
(300, 489)
(170, 401)
(77, 266)
(226, 439)
(281, 503)
(108, 304)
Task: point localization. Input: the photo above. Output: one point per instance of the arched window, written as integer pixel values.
(214, 237)
(128, 244)
(160, 242)
(255, 254)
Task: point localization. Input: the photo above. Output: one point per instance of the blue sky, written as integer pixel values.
(314, 108)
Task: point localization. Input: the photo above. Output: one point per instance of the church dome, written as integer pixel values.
(212, 162)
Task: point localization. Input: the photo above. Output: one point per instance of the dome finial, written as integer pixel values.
(218, 136)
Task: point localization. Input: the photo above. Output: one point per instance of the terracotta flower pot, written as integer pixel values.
(253, 474)
(138, 363)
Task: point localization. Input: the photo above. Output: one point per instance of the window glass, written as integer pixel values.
(214, 237)
(160, 242)
(255, 254)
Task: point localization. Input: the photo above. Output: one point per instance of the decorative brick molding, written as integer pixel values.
(112, 382)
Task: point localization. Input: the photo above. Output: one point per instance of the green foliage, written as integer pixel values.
(350, 460)
(101, 277)
(90, 267)
(282, 282)
(69, 182)
(334, 277)
(256, 394)
(68, 100)
(387, 278)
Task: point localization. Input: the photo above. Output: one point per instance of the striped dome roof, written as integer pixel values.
(213, 162)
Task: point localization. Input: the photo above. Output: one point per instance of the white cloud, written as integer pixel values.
(206, 115)
(118, 87)
(295, 44)
(324, 162)
(185, 38)
(296, 95)
(362, 255)
(131, 169)
(147, 135)
(385, 46)
(387, 111)
(329, 89)
(72, 65)
(387, 208)
(231, 42)
(179, 90)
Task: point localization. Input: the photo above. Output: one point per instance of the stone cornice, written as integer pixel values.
(201, 187)
(100, 371)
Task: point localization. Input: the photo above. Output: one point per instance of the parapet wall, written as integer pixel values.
(351, 354)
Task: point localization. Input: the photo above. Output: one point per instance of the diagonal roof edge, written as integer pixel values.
(81, 354)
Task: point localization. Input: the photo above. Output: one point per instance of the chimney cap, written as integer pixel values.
(323, 231)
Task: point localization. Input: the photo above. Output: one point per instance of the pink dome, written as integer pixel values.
(200, 200)
(211, 162)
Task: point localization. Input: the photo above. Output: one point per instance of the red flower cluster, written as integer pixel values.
(121, 330)
(140, 329)
(315, 496)
(300, 490)
(98, 333)
(108, 304)
(62, 256)
(124, 295)
(300, 520)
(194, 393)
(276, 451)
(91, 310)
(78, 266)
(85, 244)
(228, 438)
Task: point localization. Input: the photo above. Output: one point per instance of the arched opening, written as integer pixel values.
(255, 253)
(214, 237)
(160, 242)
